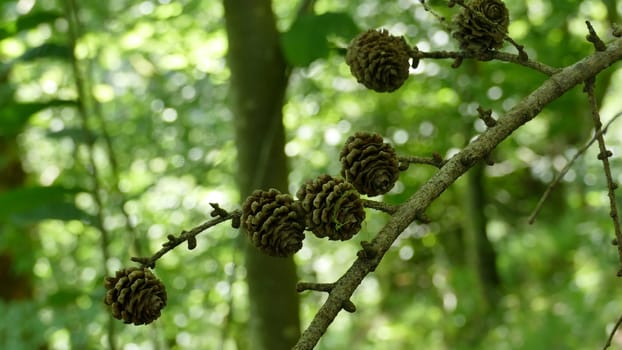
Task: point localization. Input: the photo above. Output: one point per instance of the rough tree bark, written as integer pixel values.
(258, 83)
(524, 111)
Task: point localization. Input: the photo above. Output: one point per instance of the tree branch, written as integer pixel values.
(190, 236)
(562, 173)
(492, 55)
(613, 332)
(604, 155)
(436, 160)
(521, 113)
(82, 90)
(380, 206)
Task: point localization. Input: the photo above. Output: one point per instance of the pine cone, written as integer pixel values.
(379, 60)
(474, 34)
(274, 222)
(369, 164)
(135, 295)
(333, 206)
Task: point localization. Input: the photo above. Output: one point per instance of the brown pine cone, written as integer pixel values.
(370, 164)
(274, 222)
(135, 295)
(379, 60)
(474, 34)
(333, 207)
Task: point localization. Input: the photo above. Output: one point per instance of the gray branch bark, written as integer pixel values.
(521, 113)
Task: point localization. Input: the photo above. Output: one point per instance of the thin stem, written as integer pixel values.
(492, 55)
(562, 173)
(535, 65)
(442, 20)
(188, 236)
(320, 287)
(71, 13)
(436, 160)
(604, 155)
(381, 206)
(613, 332)
(347, 305)
(592, 37)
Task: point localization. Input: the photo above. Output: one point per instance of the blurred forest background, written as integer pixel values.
(117, 128)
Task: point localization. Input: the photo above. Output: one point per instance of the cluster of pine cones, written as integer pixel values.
(327, 206)
(380, 61)
(275, 223)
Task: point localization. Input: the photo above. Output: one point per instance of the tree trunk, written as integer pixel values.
(480, 256)
(13, 286)
(16, 285)
(480, 253)
(258, 83)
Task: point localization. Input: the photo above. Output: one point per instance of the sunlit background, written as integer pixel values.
(162, 142)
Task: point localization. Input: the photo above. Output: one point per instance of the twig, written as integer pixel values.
(189, 236)
(562, 173)
(369, 251)
(320, 287)
(436, 160)
(613, 332)
(521, 113)
(416, 55)
(535, 65)
(486, 116)
(390, 209)
(440, 18)
(521, 58)
(347, 305)
(604, 155)
(71, 14)
(592, 37)
(380, 206)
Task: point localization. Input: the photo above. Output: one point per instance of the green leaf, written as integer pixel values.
(309, 37)
(27, 21)
(75, 134)
(47, 50)
(29, 205)
(15, 115)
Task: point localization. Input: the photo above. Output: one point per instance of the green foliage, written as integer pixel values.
(15, 115)
(27, 21)
(28, 205)
(19, 328)
(159, 78)
(312, 37)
